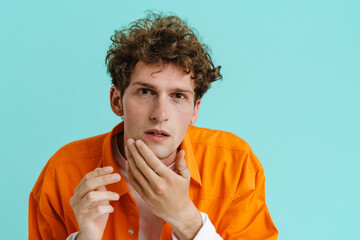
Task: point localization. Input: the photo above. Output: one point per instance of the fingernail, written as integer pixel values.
(130, 141)
(116, 177)
(138, 143)
(117, 196)
(108, 169)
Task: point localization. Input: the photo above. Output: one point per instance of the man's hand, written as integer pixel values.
(163, 190)
(91, 202)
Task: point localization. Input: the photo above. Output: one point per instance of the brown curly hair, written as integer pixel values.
(159, 39)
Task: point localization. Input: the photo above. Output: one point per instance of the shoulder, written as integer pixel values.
(81, 149)
(229, 158)
(218, 139)
(69, 164)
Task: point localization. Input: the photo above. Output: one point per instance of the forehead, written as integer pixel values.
(169, 75)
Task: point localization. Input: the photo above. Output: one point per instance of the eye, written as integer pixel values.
(179, 96)
(145, 91)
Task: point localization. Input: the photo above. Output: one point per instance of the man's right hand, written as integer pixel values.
(91, 202)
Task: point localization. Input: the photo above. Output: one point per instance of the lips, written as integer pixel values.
(159, 133)
(156, 135)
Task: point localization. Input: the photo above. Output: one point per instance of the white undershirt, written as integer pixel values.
(150, 225)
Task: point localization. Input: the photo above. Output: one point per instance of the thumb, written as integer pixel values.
(180, 165)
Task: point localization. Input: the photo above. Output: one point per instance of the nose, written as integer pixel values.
(160, 111)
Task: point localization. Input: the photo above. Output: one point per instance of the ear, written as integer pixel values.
(115, 101)
(196, 112)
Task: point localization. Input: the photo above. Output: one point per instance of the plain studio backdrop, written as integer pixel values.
(291, 90)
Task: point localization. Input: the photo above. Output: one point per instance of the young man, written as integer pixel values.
(154, 176)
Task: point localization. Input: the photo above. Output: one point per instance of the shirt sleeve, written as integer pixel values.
(248, 216)
(44, 225)
(206, 232)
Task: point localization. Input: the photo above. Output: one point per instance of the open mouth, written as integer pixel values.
(157, 133)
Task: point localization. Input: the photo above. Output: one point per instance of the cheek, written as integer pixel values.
(184, 113)
(133, 118)
(133, 110)
(183, 118)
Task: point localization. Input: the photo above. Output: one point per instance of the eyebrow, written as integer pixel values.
(147, 85)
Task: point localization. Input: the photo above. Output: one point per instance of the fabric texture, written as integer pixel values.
(227, 183)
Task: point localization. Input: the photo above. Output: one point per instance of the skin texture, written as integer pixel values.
(158, 98)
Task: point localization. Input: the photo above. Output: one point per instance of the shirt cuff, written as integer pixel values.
(206, 232)
(73, 236)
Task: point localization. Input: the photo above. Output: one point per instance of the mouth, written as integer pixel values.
(157, 135)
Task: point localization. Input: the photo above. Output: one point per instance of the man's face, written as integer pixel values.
(158, 107)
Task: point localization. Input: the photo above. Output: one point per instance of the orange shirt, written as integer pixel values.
(227, 183)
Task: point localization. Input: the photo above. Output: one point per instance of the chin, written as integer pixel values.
(161, 153)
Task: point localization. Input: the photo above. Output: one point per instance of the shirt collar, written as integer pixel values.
(109, 160)
(190, 158)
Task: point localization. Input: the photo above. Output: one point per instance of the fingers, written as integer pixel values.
(95, 180)
(93, 213)
(91, 202)
(91, 191)
(139, 189)
(153, 167)
(133, 170)
(96, 198)
(97, 172)
(180, 165)
(100, 210)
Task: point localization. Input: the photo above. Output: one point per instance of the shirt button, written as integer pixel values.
(131, 231)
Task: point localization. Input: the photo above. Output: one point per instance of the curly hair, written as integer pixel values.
(159, 39)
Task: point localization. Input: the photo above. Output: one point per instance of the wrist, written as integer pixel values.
(189, 224)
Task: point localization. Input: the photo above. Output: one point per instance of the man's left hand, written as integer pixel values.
(164, 191)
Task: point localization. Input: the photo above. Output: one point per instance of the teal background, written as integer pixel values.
(291, 89)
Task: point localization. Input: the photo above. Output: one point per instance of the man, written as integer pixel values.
(154, 176)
